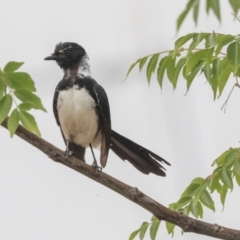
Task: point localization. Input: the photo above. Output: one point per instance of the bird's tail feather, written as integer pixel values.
(141, 158)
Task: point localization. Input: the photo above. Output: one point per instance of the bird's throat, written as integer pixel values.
(82, 68)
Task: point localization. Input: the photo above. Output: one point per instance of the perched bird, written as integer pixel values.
(81, 109)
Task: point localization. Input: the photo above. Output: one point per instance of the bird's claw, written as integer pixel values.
(96, 167)
(68, 153)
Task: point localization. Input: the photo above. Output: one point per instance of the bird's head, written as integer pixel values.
(67, 55)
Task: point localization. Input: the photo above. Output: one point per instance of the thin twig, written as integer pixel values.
(237, 81)
(226, 102)
(236, 16)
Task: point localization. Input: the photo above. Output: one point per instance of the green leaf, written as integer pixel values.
(178, 68)
(237, 177)
(183, 15)
(220, 160)
(153, 218)
(12, 66)
(170, 227)
(184, 72)
(199, 210)
(186, 210)
(6, 80)
(215, 68)
(190, 190)
(132, 66)
(215, 184)
(231, 156)
(222, 79)
(182, 40)
(211, 40)
(207, 72)
(206, 200)
(209, 56)
(217, 170)
(183, 202)
(233, 54)
(173, 206)
(235, 4)
(219, 37)
(223, 194)
(225, 177)
(13, 122)
(214, 5)
(1, 89)
(143, 230)
(215, 75)
(134, 234)
(197, 39)
(226, 40)
(224, 63)
(170, 70)
(154, 228)
(196, 12)
(199, 191)
(21, 80)
(26, 106)
(29, 122)
(5, 106)
(198, 180)
(161, 70)
(193, 209)
(194, 72)
(237, 166)
(142, 63)
(194, 59)
(152, 66)
(208, 6)
(26, 96)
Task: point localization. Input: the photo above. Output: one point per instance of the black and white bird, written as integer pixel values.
(81, 109)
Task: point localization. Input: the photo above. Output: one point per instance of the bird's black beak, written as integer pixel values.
(52, 57)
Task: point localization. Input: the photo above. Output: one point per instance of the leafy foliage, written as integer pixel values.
(198, 194)
(18, 85)
(214, 55)
(153, 226)
(211, 5)
(217, 57)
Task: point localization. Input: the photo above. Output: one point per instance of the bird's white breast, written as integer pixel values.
(77, 116)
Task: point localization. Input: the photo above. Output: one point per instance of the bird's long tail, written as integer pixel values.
(141, 158)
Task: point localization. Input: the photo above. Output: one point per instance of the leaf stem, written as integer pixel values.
(236, 16)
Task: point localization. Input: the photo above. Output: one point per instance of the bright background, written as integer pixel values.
(41, 199)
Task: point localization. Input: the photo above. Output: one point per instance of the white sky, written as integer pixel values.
(41, 199)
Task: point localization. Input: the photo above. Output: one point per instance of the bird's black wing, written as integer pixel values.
(104, 118)
(55, 99)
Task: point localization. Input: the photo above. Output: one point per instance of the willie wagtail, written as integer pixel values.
(81, 109)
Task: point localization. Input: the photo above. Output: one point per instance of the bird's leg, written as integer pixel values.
(68, 151)
(94, 165)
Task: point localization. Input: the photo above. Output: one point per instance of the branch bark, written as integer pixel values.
(187, 224)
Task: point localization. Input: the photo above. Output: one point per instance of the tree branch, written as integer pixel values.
(188, 224)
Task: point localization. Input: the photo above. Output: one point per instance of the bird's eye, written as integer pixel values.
(67, 52)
